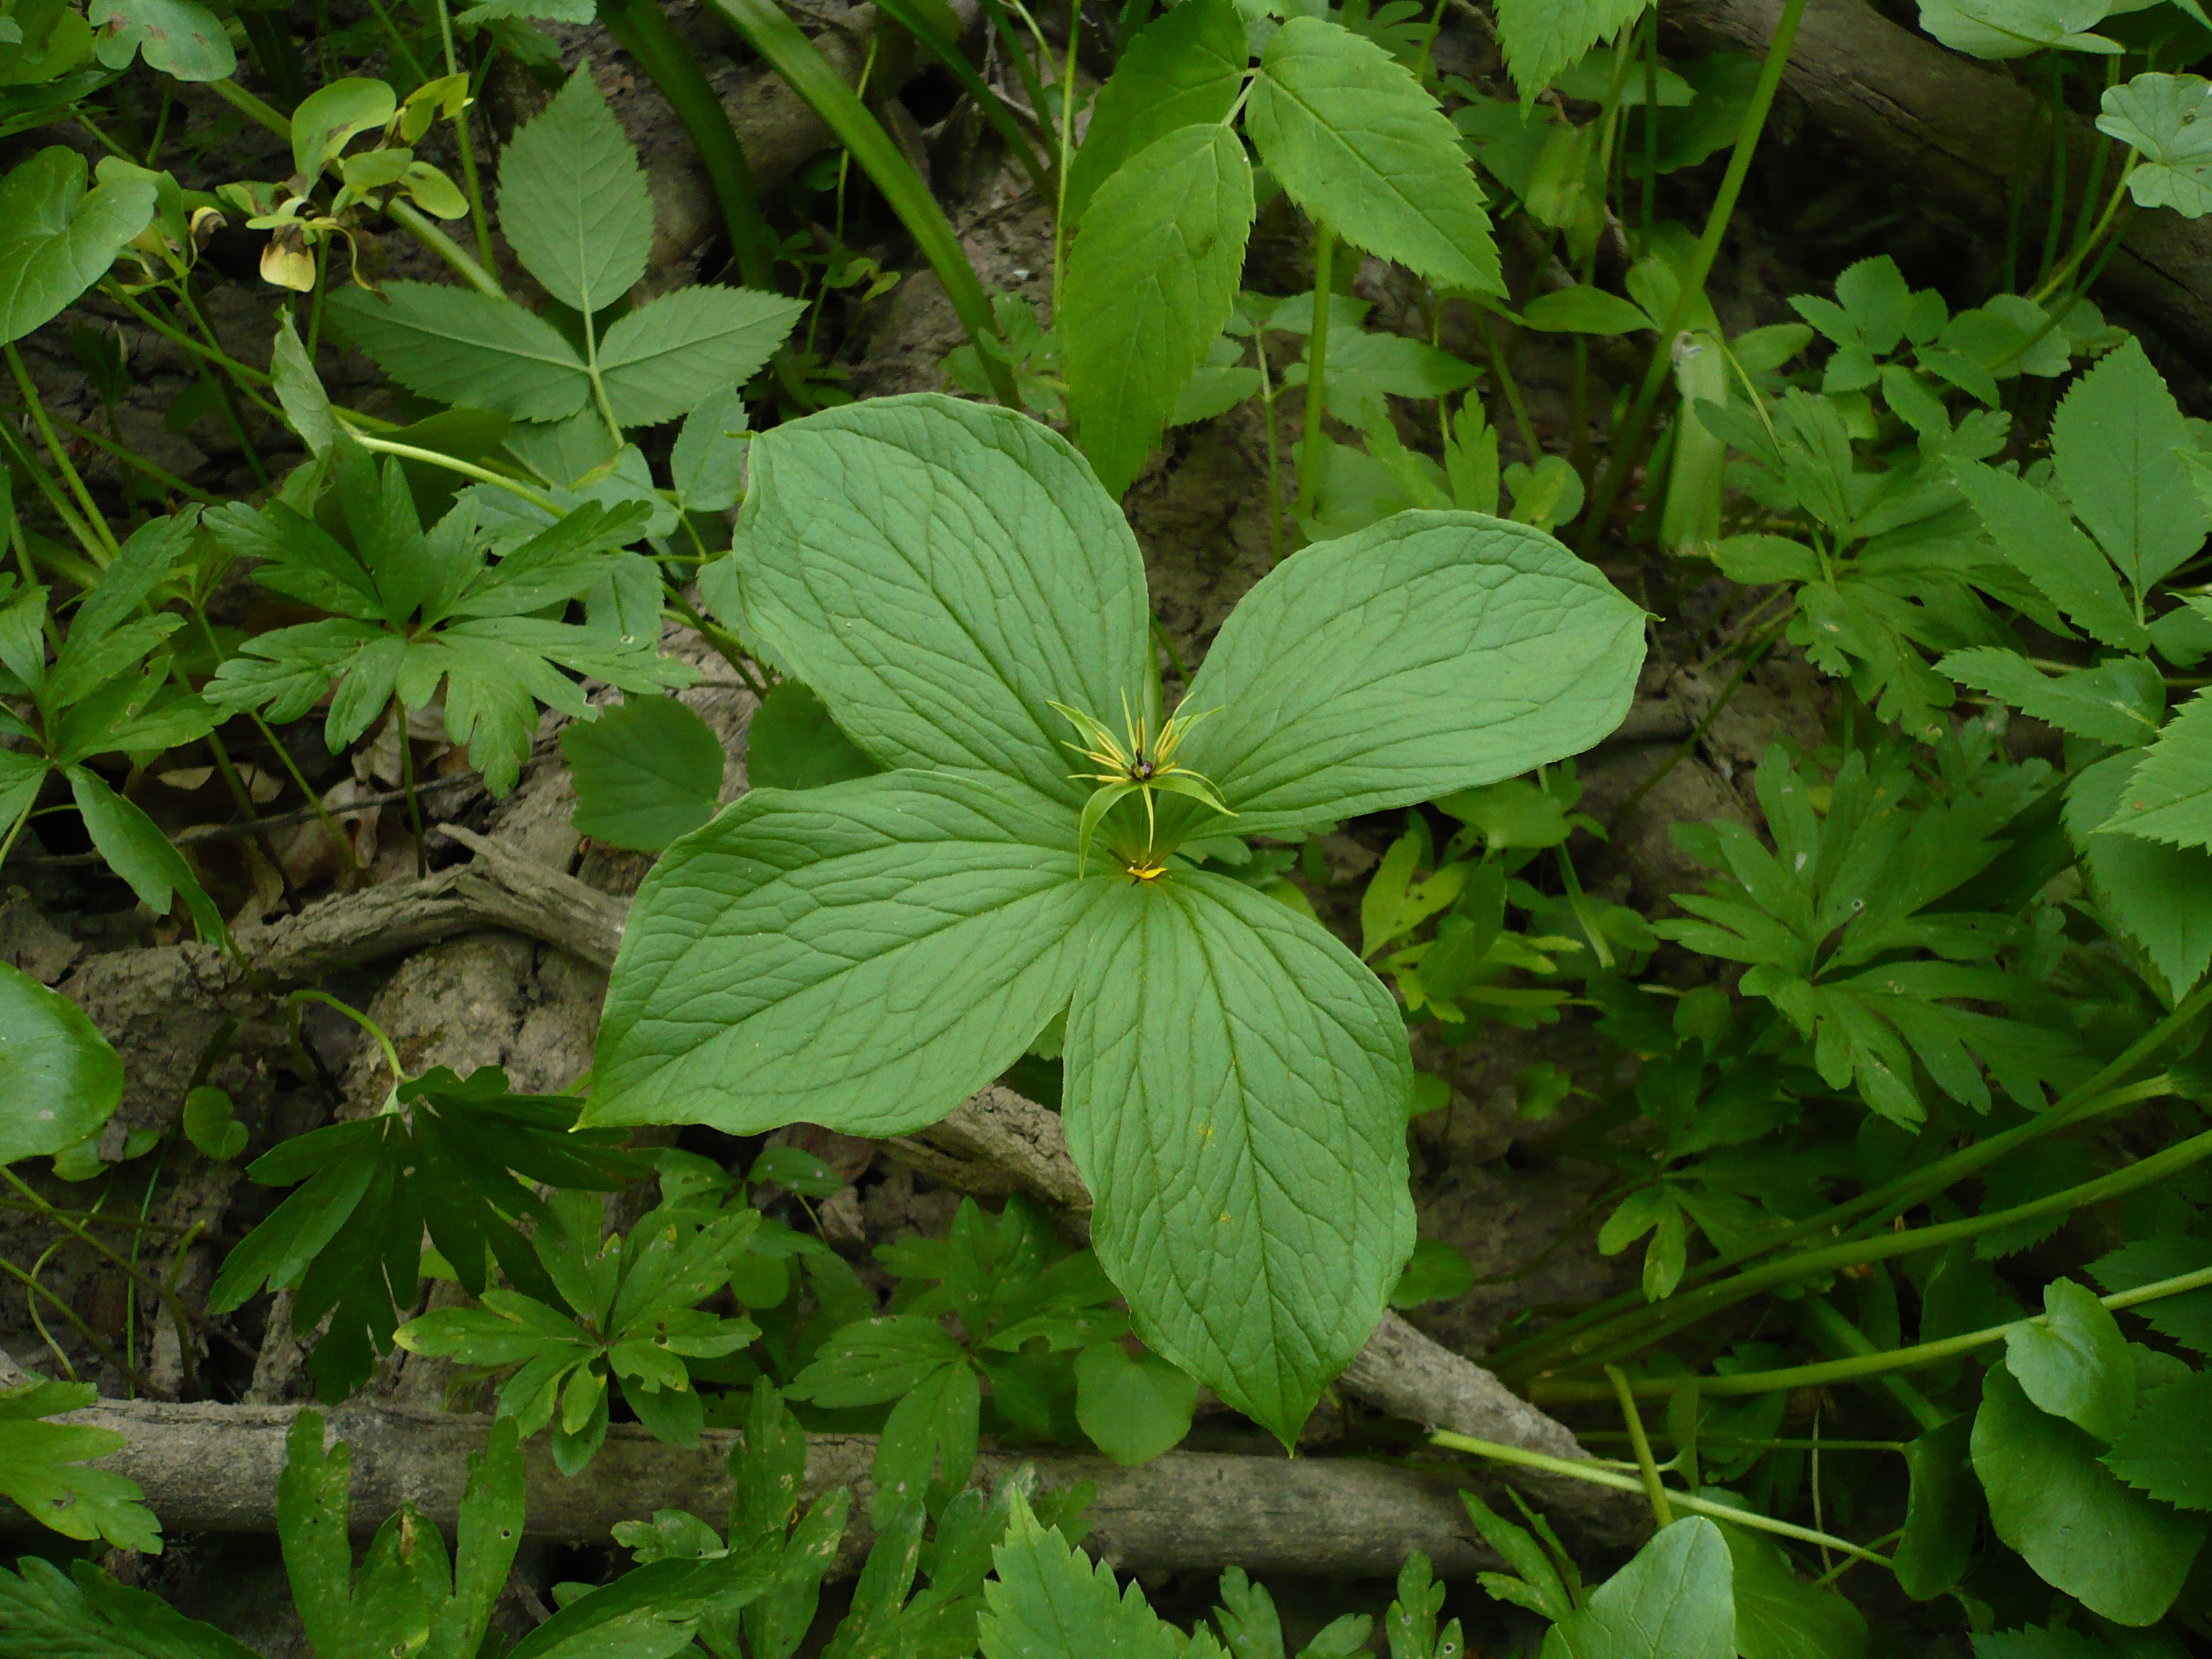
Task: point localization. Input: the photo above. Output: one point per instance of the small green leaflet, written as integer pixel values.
(2074, 1363)
(791, 743)
(1352, 135)
(418, 609)
(2168, 797)
(2163, 1450)
(1184, 69)
(1152, 278)
(646, 773)
(2159, 895)
(575, 205)
(1046, 1601)
(57, 239)
(1674, 1600)
(1540, 38)
(39, 1470)
(2163, 117)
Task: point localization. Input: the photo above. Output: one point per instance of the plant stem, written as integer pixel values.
(470, 182)
(178, 338)
(451, 464)
(100, 1345)
(391, 1054)
(168, 481)
(1655, 1489)
(412, 219)
(38, 408)
(733, 649)
(1597, 1475)
(1671, 1316)
(1629, 439)
(1310, 455)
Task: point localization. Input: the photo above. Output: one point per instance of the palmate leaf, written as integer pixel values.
(1255, 1133)
(943, 574)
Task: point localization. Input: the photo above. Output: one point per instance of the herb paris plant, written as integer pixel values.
(868, 954)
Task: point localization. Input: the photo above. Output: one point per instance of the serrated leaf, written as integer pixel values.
(2119, 1551)
(974, 928)
(2186, 1319)
(1235, 1099)
(2113, 439)
(1674, 1600)
(459, 346)
(59, 1079)
(1150, 283)
(668, 357)
(1540, 38)
(1356, 142)
(2168, 796)
(1046, 1601)
(2074, 1363)
(57, 239)
(1340, 679)
(2036, 536)
(39, 1470)
(2161, 895)
(2119, 701)
(572, 203)
(1184, 69)
(2164, 1451)
(708, 462)
(647, 773)
(848, 515)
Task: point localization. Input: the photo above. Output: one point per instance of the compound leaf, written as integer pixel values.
(2113, 439)
(1046, 1601)
(2168, 797)
(1540, 38)
(1236, 1096)
(2165, 1451)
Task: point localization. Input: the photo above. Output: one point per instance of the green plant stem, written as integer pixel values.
(100, 1345)
(2089, 1099)
(407, 783)
(128, 457)
(1859, 1368)
(1598, 1475)
(1688, 1310)
(1274, 453)
(1064, 153)
(644, 31)
(38, 407)
(1017, 52)
(470, 182)
(398, 42)
(733, 649)
(1628, 441)
(1654, 1489)
(1845, 1340)
(20, 450)
(384, 1043)
(2061, 134)
(771, 32)
(2056, 279)
(979, 90)
(375, 445)
(418, 225)
(1310, 454)
(178, 338)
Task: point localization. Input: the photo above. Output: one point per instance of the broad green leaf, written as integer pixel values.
(2186, 1319)
(2168, 796)
(2016, 28)
(59, 1079)
(2163, 116)
(57, 239)
(459, 346)
(652, 1612)
(2075, 1364)
(2119, 1552)
(929, 1436)
(647, 773)
(2113, 439)
(174, 36)
(2161, 895)
(312, 1511)
(791, 743)
(137, 850)
(331, 115)
(1133, 1407)
(1779, 1616)
(2034, 534)
(1363, 368)
(854, 513)
(1540, 38)
(1674, 1600)
(1151, 281)
(564, 451)
(573, 200)
(1184, 69)
(2119, 702)
(740, 998)
(43, 1615)
(1046, 1601)
(1351, 134)
(1942, 1514)
(1583, 310)
(2165, 1451)
(1235, 1098)
(707, 462)
(1432, 653)
(877, 1360)
(670, 355)
(210, 1123)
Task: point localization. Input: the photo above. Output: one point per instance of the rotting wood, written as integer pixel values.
(214, 1468)
(1960, 130)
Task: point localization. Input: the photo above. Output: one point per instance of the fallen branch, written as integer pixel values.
(214, 1468)
(1961, 131)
